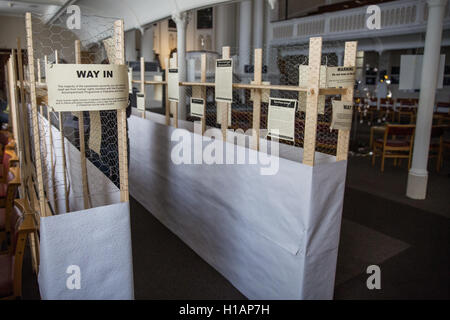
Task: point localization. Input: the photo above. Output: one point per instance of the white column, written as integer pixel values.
(147, 44)
(181, 19)
(130, 45)
(418, 174)
(245, 33)
(225, 26)
(258, 23)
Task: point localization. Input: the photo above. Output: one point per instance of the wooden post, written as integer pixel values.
(344, 135)
(174, 64)
(203, 90)
(84, 177)
(37, 144)
(25, 172)
(223, 106)
(257, 100)
(312, 99)
(121, 116)
(143, 83)
(38, 62)
(45, 67)
(12, 85)
(63, 150)
(167, 62)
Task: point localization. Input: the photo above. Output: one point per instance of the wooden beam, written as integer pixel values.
(143, 83)
(84, 177)
(222, 107)
(121, 116)
(344, 135)
(167, 92)
(257, 100)
(37, 144)
(312, 99)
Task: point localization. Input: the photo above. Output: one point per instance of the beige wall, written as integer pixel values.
(11, 28)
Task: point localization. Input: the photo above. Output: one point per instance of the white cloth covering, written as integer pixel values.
(98, 241)
(272, 237)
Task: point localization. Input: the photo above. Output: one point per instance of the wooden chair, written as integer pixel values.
(22, 224)
(6, 208)
(437, 144)
(391, 146)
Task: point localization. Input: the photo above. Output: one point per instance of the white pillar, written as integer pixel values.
(181, 19)
(147, 45)
(130, 45)
(245, 33)
(418, 174)
(258, 23)
(225, 26)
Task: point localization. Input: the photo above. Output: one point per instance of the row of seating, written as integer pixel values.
(16, 220)
(398, 140)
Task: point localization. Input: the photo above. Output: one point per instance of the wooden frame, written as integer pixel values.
(313, 91)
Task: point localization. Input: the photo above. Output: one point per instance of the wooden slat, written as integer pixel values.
(121, 116)
(24, 119)
(312, 99)
(223, 106)
(173, 63)
(84, 177)
(167, 92)
(143, 82)
(203, 90)
(37, 143)
(257, 100)
(344, 135)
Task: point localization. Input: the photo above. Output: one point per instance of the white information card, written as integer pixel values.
(140, 101)
(281, 118)
(342, 115)
(172, 90)
(87, 87)
(197, 107)
(224, 80)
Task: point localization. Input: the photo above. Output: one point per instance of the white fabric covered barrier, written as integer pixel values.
(272, 236)
(90, 246)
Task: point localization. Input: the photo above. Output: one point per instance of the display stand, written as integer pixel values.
(43, 168)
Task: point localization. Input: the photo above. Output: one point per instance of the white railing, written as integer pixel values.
(397, 17)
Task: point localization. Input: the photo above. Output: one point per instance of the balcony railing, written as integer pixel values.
(397, 17)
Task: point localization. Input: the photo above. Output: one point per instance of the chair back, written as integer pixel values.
(404, 130)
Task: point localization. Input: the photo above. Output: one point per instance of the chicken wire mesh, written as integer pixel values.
(280, 67)
(70, 182)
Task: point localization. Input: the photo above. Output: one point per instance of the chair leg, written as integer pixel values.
(395, 162)
(382, 162)
(373, 156)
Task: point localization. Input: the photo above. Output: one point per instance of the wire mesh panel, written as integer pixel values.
(79, 151)
(280, 66)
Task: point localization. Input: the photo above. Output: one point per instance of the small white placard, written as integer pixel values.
(197, 107)
(173, 91)
(340, 77)
(157, 89)
(224, 80)
(342, 115)
(281, 118)
(302, 103)
(130, 79)
(87, 87)
(140, 101)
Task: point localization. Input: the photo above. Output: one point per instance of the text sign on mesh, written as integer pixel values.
(342, 115)
(224, 80)
(281, 118)
(340, 77)
(75, 87)
(197, 107)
